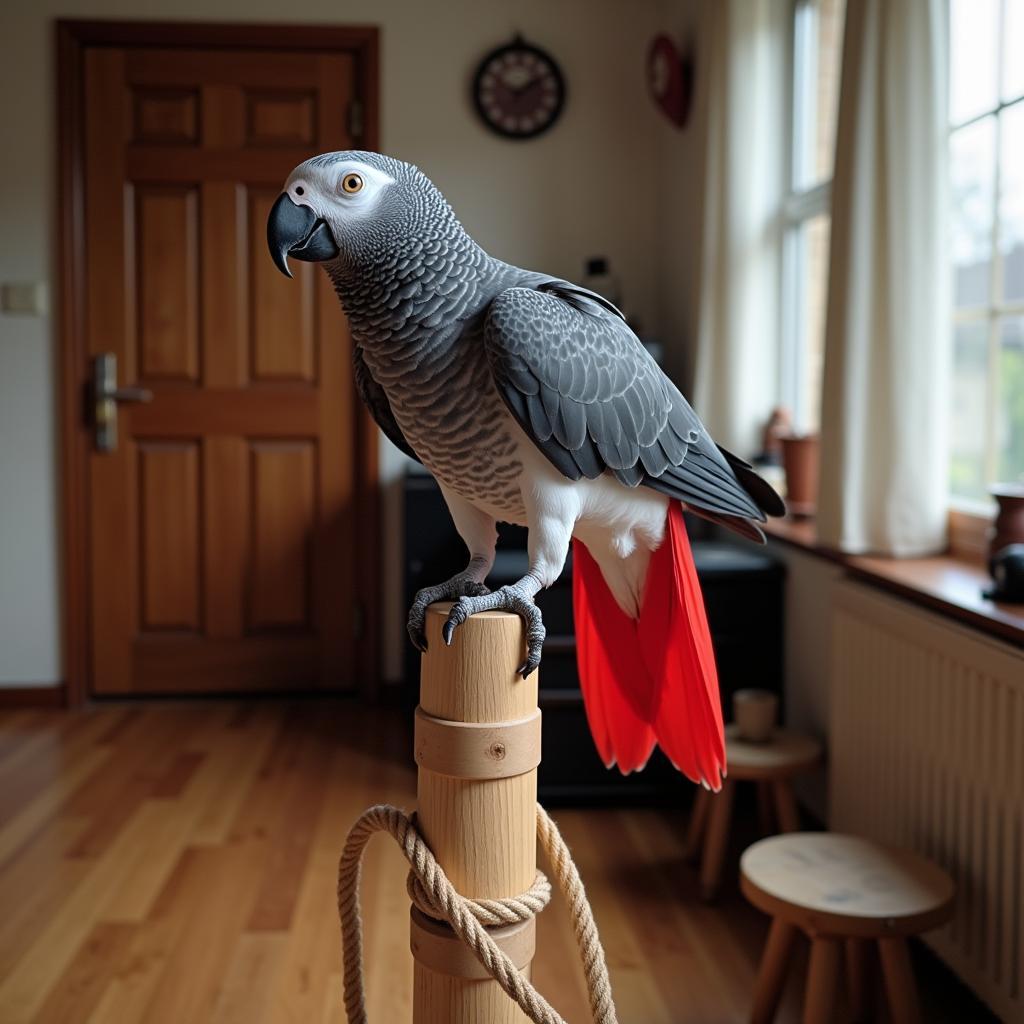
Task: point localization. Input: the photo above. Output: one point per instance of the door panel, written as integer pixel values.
(277, 118)
(221, 526)
(169, 514)
(165, 115)
(166, 274)
(283, 502)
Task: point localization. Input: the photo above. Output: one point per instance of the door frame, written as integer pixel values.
(72, 39)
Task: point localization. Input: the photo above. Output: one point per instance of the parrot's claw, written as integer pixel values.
(507, 599)
(450, 590)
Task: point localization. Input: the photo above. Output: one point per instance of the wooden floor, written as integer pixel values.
(170, 862)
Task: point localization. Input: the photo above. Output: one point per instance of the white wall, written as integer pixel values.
(612, 178)
(807, 651)
(29, 574)
(681, 190)
(808, 646)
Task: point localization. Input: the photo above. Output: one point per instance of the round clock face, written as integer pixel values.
(518, 91)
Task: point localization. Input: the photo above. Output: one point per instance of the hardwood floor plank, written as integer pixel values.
(222, 782)
(171, 784)
(314, 946)
(34, 886)
(142, 752)
(81, 986)
(136, 973)
(206, 943)
(38, 764)
(23, 826)
(119, 887)
(250, 976)
(594, 839)
(306, 790)
(18, 728)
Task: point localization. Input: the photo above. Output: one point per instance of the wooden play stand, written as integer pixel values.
(472, 844)
(477, 748)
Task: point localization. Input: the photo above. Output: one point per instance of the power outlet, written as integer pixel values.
(24, 298)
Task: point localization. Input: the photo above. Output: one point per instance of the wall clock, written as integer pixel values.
(518, 90)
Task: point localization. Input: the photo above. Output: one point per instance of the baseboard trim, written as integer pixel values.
(54, 696)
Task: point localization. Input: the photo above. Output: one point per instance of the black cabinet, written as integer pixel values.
(743, 595)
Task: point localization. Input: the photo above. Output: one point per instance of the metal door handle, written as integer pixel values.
(105, 398)
(130, 395)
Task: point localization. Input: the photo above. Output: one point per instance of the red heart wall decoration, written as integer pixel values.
(670, 79)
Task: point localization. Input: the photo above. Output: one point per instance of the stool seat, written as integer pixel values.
(841, 891)
(785, 754)
(845, 885)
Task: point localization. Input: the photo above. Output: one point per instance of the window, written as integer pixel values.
(986, 151)
(816, 60)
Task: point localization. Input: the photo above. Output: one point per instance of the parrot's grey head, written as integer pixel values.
(354, 207)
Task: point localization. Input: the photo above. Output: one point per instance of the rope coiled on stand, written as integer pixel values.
(431, 891)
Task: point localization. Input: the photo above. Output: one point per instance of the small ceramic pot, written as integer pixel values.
(755, 713)
(800, 459)
(1008, 527)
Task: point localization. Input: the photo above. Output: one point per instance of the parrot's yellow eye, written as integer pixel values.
(351, 184)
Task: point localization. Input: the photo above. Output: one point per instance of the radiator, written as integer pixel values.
(927, 751)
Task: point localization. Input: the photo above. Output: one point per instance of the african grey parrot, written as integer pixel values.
(531, 401)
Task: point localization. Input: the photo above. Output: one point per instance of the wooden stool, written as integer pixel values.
(772, 765)
(841, 890)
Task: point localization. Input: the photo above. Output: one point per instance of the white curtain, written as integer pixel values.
(885, 398)
(737, 344)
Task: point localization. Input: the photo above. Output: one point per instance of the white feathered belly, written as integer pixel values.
(620, 525)
(503, 473)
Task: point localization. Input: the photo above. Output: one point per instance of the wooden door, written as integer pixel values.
(222, 529)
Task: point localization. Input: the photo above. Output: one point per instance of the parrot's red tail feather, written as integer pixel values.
(617, 691)
(653, 678)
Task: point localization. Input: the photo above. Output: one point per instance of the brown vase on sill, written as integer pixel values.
(800, 460)
(1008, 527)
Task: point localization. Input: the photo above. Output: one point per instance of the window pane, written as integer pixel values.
(1013, 49)
(1011, 203)
(818, 46)
(970, 378)
(972, 160)
(811, 259)
(1010, 429)
(973, 32)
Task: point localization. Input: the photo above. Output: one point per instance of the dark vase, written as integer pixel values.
(1008, 527)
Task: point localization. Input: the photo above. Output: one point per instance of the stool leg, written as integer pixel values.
(785, 806)
(857, 951)
(698, 824)
(771, 975)
(822, 975)
(715, 840)
(765, 817)
(899, 981)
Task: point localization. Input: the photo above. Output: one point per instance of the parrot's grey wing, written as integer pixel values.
(377, 402)
(593, 399)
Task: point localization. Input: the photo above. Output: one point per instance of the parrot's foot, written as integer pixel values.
(513, 598)
(458, 586)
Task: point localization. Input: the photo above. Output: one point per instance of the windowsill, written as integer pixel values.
(946, 584)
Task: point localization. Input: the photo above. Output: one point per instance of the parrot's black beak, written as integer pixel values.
(294, 230)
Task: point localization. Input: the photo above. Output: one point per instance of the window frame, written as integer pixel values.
(990, 314)
(800, 204)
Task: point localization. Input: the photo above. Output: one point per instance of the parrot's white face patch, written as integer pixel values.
(339, 192)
